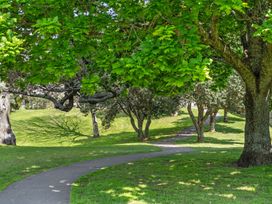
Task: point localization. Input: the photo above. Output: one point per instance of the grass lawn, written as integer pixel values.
(207, 175)
(42, 144)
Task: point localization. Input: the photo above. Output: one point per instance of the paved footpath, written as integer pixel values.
(53, 186)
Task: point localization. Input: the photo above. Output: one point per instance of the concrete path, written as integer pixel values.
(53, 186)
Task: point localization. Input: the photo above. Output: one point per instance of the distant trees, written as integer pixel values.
(209, 98)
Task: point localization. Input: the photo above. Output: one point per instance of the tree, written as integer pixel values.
(138, 106)
(141, 106)
(205, 98)
(240, 33)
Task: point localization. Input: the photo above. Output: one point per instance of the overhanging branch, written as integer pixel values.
(212, 39)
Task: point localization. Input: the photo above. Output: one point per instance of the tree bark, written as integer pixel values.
(200, 133)
(95, 124)
(257, 147)
(213, 120)
(141, 135)
(142, 132)
(226, 119)
(6, 134)
(147, 126)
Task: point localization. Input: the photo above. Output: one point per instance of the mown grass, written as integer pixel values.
(42, 144)
(208, 175)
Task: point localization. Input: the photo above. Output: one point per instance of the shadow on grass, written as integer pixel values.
(208, 140)
(220, 141)
(232, 119)
(58, 129)
(48, 129)
(131, 137)
(192, 178)
(221, 128)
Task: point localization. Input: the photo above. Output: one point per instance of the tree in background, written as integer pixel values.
(141, 106)
(207, 103)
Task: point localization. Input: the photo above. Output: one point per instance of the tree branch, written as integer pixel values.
(212, 39)
(192, 116)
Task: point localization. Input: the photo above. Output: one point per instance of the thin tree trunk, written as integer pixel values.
(147, 126)
(257, 147)
(95, 124)
(6, 134)
(213, 120)
(226, 119)
(141, 133)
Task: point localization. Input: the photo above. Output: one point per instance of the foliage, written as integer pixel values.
(232, 96)
(10, 43)
(265, 29)
(159, 55)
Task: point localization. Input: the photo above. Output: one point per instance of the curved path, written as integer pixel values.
(53, 186)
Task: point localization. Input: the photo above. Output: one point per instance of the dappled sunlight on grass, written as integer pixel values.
(208, 175)
(188, 178)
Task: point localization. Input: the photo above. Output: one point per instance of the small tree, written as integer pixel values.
(138, 106)
(205, 98)
(141, 106)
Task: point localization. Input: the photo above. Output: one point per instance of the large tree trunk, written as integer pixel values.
(257, 147)
(95, 124)
(6, 134)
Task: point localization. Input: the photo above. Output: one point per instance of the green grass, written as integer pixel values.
(41, 144)
(208, 175)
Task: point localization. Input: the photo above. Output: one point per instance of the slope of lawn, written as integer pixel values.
(50, 138)
(208, 175)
